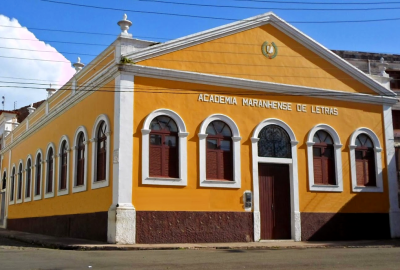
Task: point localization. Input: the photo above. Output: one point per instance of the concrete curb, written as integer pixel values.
(87, 245)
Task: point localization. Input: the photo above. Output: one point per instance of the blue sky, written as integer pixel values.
(381, 37)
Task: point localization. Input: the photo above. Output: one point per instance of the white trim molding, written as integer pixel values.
(294, 179)
(83, 187)
(204, 182)
(338, 160)
(65, 191)
(393, 186)
(377, 157)
(121, 225)
(261, 86)
(102, 183)
(253, 22)
(38, 196)
(182, 144)
(12, 190)
(20, 185)
(28, 199)
(50, 194)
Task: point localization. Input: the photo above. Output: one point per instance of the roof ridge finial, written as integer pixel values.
(125, 24)
(78, 65)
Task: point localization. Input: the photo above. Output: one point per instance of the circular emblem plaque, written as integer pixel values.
(269, 50)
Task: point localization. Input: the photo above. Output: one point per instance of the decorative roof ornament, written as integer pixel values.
(382, 68)
(78, 65)
(31, 109)
(124, 24)
(50, 91)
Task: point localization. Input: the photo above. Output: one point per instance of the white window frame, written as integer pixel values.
(20, 162)
(62, 192)
(83, 187)
(14, 198)
(39, 196)
(338, 160)
(204, 182)
(28, 199)
(102, 183)
(50, 194)
(378, 161)
(182, 137)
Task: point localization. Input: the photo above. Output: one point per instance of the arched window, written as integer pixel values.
(219, 152)
(323, 159)
(219, 160)
(28, 180)
(274, 142)
(12, 186)
(4, 181)
(50, 170)
(64, 165)
(365, 161)
(19, 189)
(164, 149)
(80, 158)
(38, 175)
(101, 157)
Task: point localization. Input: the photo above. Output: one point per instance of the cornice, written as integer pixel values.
(269, 87)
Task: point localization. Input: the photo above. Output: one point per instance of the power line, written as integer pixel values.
(57, 30)
(8, 48)
(271, 8)
(56, 41)
(211, 17)
(319, 3)
(197, 90)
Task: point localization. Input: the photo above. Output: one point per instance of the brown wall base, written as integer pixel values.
(193, 227)
(91, 226)
(344, 226)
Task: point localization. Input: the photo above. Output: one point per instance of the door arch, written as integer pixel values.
(295, 222)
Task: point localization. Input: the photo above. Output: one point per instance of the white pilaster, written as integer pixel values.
(122, 214)
(394, 212)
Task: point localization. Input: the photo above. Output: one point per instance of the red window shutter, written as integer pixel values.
(81, 172)
(318, 178)
(101, 166)
(360, 172)
(227, 165)
(212, 165)
(38, 175)
(63, 176)
(370, 169)
(331, 174)
(171, 162)
(155, 161)
(50, 177)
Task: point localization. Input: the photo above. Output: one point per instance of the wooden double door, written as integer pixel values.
(274, 184)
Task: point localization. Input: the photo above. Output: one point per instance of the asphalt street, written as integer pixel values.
(16, 255)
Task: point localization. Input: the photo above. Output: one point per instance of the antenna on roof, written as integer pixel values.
(3, 101)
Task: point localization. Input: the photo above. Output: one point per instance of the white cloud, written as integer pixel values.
(31, 71)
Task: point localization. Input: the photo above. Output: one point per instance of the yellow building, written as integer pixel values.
(244, 132)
